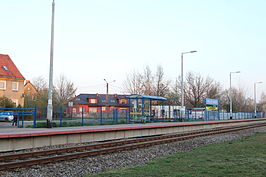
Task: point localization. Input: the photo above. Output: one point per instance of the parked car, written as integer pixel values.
(6, 116)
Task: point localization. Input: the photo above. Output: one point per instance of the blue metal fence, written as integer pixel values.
(72, 116)
(18, 116)
(68, 116)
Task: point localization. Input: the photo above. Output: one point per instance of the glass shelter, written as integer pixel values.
(140, 107)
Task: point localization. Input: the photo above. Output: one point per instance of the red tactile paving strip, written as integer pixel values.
(77, 130)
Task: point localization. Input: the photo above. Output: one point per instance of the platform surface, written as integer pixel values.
(29, 132)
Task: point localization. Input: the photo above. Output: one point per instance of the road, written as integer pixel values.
(6, 125)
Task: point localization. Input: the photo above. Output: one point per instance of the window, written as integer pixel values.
(2, 85)
(93, 110)
(122, 101)
(92, 100)
(74, 110)
(5, 68)
(15, 86)
(80, 109)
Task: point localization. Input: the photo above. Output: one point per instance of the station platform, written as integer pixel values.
(29, 132)
(24, 138)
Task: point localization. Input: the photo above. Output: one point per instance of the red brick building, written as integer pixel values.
(94, 103)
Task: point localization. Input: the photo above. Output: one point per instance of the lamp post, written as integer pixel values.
(255, 102)
(107, 92)
(50, 91)
(182, 80)
(230, 94)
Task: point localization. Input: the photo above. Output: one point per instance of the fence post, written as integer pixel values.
(113, 115)
(82, 116)
(127, 116)
(35, 117)
(22, 111)
(162, 113)
(18, 119)
(101, 116)
(61, 116)
(116, 115)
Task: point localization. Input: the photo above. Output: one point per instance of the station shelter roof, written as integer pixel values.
(136, 96)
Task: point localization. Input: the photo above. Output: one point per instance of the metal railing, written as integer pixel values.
(72, 116)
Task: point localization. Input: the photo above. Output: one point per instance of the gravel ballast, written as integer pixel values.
(83, 166)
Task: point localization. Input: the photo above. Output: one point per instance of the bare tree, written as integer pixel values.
(240, 102)
(39, 83)
(148, 81)
(64, 90)
(133, 83)
(262, 104)
(161, 85)
(174, 95)
(41, 98)
(140, 83)
(198, 88)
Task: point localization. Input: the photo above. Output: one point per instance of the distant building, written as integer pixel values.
(30, 90)
(96, 102)
(11, 81)
(30, 94)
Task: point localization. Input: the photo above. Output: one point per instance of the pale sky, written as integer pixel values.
(110, 38)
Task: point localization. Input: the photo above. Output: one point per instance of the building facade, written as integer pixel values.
(30, 90)
(11, 81)
(95, 103)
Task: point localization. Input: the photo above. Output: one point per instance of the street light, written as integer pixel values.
(107, 90)
(230, 94)
(182, 82)
(50, 91)
(255, 102)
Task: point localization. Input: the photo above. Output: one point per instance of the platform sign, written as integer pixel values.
(211, 104)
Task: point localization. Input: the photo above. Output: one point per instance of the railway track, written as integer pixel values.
(54, 155)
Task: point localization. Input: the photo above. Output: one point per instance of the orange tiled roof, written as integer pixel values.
(8, 68)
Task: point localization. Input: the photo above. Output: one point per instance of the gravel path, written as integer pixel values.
(81, 167)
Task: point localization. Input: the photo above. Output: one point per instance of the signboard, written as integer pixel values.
(211, 104)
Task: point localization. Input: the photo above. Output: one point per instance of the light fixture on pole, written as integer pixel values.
(107, 92)
(230, 93)
(182, 79)
(255, 102)
(50, 91)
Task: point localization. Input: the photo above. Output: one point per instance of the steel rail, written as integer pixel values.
(109, 147)
(100, 145)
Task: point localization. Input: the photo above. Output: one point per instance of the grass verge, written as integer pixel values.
(245, 157)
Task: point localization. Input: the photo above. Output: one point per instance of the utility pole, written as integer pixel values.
(50, 91)
(230, 94)
(107, 93)
(182, 81)
(255, 99)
